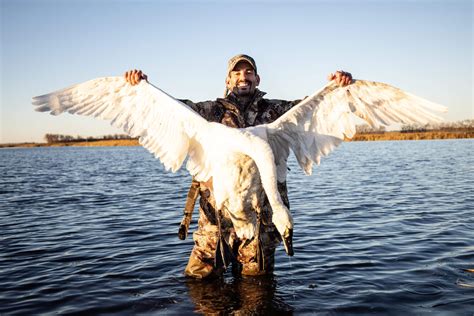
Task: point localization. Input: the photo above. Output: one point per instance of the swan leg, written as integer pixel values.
(188, 209)
(223, 253)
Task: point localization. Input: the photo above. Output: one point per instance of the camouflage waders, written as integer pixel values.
(215, 249)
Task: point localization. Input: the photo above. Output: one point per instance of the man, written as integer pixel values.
(216, 244)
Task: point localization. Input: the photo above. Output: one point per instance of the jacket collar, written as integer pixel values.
(235, 101)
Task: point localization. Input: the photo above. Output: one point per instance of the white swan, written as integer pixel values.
(243, 163)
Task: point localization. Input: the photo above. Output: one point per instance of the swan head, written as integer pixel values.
(284, 224)
(287, 239)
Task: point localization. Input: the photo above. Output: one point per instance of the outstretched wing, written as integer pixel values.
(166, 127)
(319, 123)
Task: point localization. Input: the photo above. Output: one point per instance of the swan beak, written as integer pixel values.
(288, 241)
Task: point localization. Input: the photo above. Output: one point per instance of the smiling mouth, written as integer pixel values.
(244, 84)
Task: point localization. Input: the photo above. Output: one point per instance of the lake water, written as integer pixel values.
(382, 228)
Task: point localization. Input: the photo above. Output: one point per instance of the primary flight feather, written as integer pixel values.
(243, 163)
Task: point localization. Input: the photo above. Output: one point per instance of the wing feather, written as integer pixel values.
(318, 124)
(166, 127)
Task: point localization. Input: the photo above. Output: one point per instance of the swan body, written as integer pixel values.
(244, 164)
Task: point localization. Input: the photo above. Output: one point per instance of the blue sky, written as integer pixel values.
(424, 47)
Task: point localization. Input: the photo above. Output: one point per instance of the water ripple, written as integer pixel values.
(381, 228)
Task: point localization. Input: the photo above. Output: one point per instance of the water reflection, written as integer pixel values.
(239, 296)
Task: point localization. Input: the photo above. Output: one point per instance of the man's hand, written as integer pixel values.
(341, 78)
(134, 76)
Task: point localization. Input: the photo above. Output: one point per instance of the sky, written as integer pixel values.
(423, 47)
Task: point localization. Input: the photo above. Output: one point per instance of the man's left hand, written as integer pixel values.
(341, 78)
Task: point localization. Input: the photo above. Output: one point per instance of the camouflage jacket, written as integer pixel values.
(231, 112)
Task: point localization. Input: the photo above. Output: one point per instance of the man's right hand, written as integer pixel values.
(342, 78)
(134, 76)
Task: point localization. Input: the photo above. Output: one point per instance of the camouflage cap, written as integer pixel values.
(238, 58)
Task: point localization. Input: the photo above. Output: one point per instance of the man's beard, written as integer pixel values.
(246, 92)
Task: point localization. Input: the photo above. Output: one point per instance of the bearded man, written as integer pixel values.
(216, 244)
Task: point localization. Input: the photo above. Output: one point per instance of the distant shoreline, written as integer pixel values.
(429, 135)
(92, 143)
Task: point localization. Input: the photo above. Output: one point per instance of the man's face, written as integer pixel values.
(242, 80)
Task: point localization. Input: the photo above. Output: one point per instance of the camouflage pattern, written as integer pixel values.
(231, 112)
(237, 59)
(216, 248)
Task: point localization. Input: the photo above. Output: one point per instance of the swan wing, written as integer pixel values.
(318, 124)
(166, 127)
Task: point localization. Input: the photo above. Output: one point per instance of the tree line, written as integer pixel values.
(458, 126)
(59, 138)
(464, 125)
